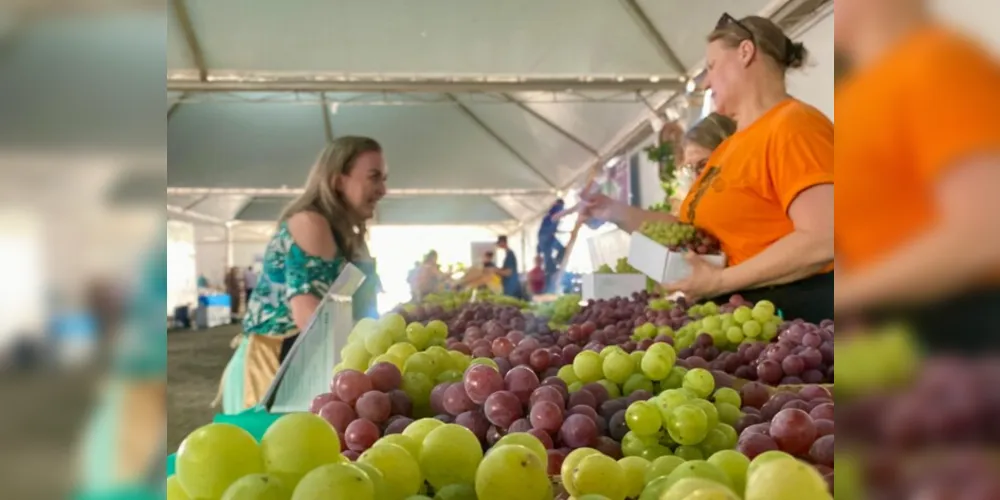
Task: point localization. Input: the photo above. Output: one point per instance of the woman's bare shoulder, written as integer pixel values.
(312, 233)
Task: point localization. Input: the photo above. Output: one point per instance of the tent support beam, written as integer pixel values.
(506, 145)
(184, 81)
(653, 35)
(554, 126)
(176, 105)
(243, 208)
(503, 208)
(327, 121)
(194, 203)
(190, 37)
(171, 209)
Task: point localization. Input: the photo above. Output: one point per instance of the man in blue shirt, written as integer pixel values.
(549, 247)
(508, 272)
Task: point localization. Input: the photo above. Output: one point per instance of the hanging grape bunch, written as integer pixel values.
(680, 237)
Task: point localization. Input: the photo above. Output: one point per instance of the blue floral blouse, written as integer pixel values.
(290, 271)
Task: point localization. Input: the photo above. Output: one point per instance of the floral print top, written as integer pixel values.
(288, 271)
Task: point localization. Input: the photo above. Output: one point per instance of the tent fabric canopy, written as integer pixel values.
(240, 125)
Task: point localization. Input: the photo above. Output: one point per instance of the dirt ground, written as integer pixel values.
(196, 361)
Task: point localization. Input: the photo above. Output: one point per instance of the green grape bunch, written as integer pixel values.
(662, 207)
(604, 269)
(680, 237)
(623, 267)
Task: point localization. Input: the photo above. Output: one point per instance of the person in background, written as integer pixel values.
(766, 192)
(429, 278)
(698, 145)
(411, 279)
(318, 234)
(202, 281)
(235, 291)
(549, 246)
(508, 271)
(249, 281)
(536, 277)
(918, 222)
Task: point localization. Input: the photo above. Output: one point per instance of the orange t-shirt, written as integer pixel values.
(920, 110)
(742, 196)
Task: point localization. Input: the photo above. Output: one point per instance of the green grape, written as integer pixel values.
(604, 269)
(655, 451)
(676, 378)
(438, 329)
(569, 465)
(689, 453)
(339, 480)
(602, 475)
(656, 489)
(662, 467)
(702, 470)
(716, 440)
(297, 443)
(643, 418)
(450, 454)
(637, 357)
(742, 314)
(528, 441)
(575, 386)
(377, 478)
(448, 377)
(355, 356)
(646, 331)
(399, 469)
(587, 367)
(732, 437)
(766, 457)
(665, 330)
(418, 335)
(257, 487)
(710, 308)
(457, 492)
(511, 472)
(637, 382)
(395, 325)
(421, 362)
(656, 365)
(687, 424)
(174, 489)
(734, 465)
(419, 429)
(402, 350)
(361, 329)
(419, 497)
(442, 360)
(635, 474)
(485, 361)
(735, 335)
(728, 414)
(786, 479)
(618, 367)
(633, 444)
(728, 395)
(216, 455)
(403, 441)
(711, 322)
(769, 331)
(378, 341)
(752, 329)
(693, 488)
(460, 361)
(417, 386)
(613, 390)
(719, 337)
(699, 381)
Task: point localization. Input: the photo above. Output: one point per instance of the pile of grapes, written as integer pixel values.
(680, 237)
(803, 354)
(561, 310)
(621, 267)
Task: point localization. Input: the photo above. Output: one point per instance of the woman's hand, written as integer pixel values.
(704, 282)
(596, 206)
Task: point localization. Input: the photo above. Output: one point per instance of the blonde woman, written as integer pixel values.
(318, 233)
(698, 144)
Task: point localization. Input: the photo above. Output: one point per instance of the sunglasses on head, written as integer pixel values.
(727, 20)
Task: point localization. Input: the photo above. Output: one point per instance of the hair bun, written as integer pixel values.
(796, 55)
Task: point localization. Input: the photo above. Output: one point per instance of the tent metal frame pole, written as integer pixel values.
(500, 140)
(327, 120)
(341, 83)
(653, 35)
(554, 126)
(290, 192)
(190, 37)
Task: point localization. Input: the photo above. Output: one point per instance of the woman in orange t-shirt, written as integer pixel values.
(918, 220)
(766, 192)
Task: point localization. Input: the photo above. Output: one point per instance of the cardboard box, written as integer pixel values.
(608, 286)
(658, 262)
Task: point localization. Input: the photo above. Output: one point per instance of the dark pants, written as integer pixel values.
(552, 251)
(249, 293)
(810, 299)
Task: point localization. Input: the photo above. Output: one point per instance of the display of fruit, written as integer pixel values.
(802, 354)
(681, 237)
(621, 267)
(561, 310)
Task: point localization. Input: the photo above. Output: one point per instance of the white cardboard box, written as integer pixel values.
(657, 262)
(608, 286)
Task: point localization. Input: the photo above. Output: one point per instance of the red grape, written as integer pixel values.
(503, 365)
(482, 352)
(547, 393)
(599, 391)
(401, 403)
(476, 422)
(540, 359)
(769, 372)
(813, 377)
(754, 394)
(797, 404)
(639, 395)
(375, 406)
(822, 412)
(609, 447)
(396, 425)
(578, 431)
(522, 381)
(321, 400)
(824, 427)
(520, 425)
(612, 406)
(520, 357)
(544, 437)
(752, 444)
(493, 434)
(793, 365)
(569, 353)
(444, 417)
(351, 455)
(502, 408)
(556, 459)
(437, 397)
(821, 451)
(462, 348)
(582, 397)
(547, 416)
(617, 426)
(385, 376)
(455, 401)
(350, 385)
(361, 435)
(793, 430)
(502, 347)
(761, 428)
(515, 336)
(747, 421)
(481, 381)
(529, 344)
(339, 414)
(583, 410)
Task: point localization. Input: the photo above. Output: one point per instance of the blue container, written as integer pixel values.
(214, 300)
